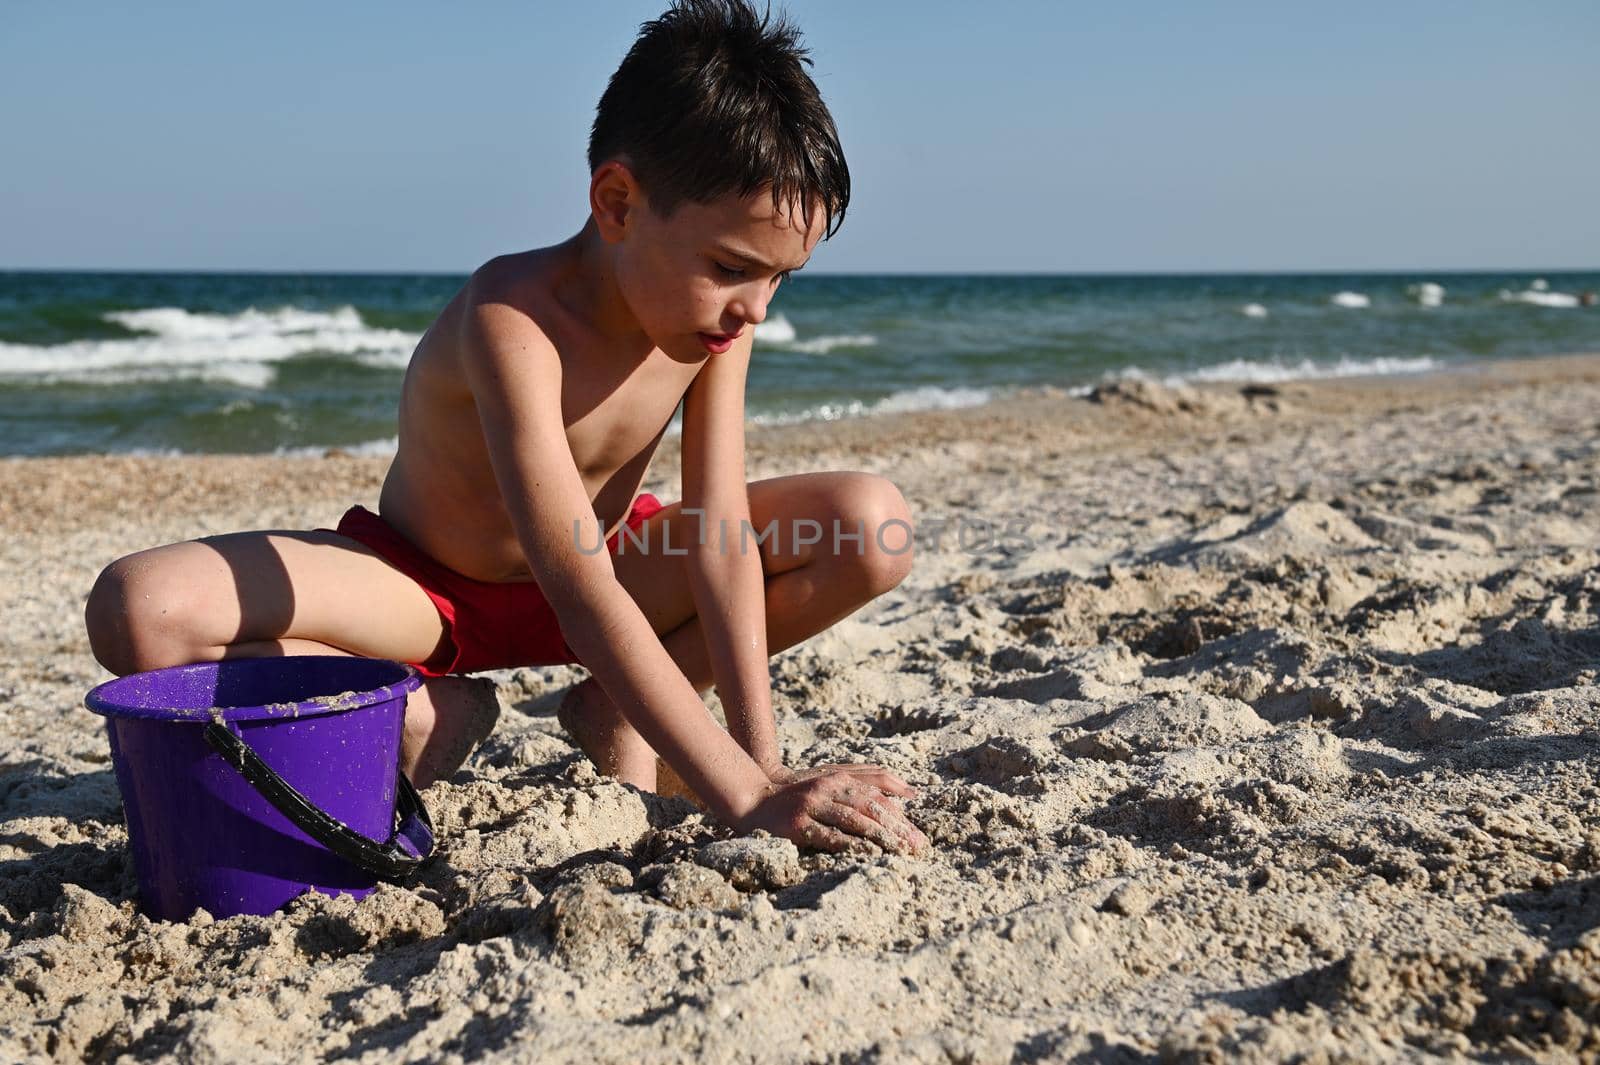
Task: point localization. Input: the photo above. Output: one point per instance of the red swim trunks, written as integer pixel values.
(487, 624)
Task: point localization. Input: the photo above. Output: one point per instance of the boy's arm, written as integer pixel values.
(725, 572)
(835, 807)
(515, 377)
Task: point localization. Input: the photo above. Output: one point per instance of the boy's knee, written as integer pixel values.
(135, 618)
(108, 617)
(887, 548)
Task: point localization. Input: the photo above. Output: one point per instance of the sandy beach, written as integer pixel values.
(1278, 735)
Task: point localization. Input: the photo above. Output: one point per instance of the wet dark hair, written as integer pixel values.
(714, 99)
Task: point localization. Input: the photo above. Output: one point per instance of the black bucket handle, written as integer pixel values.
(410, 845)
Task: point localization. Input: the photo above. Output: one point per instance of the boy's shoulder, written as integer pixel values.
(510, 298)
(522, 280)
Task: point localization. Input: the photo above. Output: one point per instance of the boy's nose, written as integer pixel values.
(751, 308)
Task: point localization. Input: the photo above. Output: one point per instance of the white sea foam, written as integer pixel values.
(159, 452)
(237, 348)
(252, 375)
(775, 330)
(931, 397)
(179, 322)
(1353, 300)
(823, 345)
(1427, 294)
(1538, 294)
(1253, 310)
(779, 332)
(379, 449)
(924, 397)
(1266, 373)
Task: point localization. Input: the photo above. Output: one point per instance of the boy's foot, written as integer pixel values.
(446, 719)
(601, 732)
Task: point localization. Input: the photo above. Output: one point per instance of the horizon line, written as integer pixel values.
(814, 273)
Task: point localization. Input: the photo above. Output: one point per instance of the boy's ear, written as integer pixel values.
(614, 196)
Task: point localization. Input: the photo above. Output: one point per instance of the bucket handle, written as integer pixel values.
(409, 846)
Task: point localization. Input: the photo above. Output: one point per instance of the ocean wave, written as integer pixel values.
(251, 375)
(1275, 372)
(1253, 310)
(925, 397)
(1352, 300)
(1538, 294)
(823, 345)
(906, 401)
(179, 343)
(1427, 294)
(377, 449)
(775, 330)
(183, 323)
(779, 332)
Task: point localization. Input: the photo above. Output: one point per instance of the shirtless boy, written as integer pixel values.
(529, 414)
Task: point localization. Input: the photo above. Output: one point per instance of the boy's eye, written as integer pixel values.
(734, 272)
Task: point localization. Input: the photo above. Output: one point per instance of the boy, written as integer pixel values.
(530, 411)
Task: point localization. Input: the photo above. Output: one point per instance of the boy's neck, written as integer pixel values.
(589, 290)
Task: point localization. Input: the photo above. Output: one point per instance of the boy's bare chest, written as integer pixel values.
(615, 421)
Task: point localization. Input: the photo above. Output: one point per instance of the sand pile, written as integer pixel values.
(1280, 737)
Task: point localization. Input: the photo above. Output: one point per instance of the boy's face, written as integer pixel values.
(697, 280)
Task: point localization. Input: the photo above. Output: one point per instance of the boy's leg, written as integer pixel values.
(258, 594)
(808, 588)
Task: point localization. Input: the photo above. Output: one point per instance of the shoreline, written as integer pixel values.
(1034, 414)
(1008, 396)
(1538, 367)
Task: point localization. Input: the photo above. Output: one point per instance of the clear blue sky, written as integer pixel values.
(1025, 136)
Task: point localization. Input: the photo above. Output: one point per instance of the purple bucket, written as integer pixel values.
(249, 781)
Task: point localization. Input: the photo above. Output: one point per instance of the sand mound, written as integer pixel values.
(1301, 530)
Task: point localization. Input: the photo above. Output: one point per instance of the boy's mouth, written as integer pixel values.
(716, 343)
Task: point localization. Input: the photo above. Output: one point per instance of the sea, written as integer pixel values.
(169, 363)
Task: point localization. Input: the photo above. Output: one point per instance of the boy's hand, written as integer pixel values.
(781, 774)
(839, 808)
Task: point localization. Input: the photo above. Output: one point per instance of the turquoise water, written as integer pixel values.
(276, 362)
